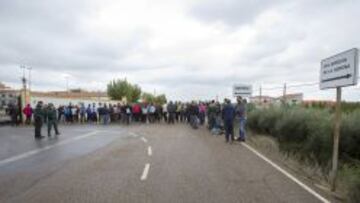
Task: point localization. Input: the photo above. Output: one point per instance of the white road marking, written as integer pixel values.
(322, 199)
(149, 151)
(37, 151)
(144, 139)
(134, 134)
(145, 172)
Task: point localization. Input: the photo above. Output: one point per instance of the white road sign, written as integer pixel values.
(339, 70)
(242, 90)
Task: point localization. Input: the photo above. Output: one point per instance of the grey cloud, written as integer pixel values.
(232, 12)
(48, 35)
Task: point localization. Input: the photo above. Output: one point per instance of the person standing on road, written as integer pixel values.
(136, 110)
(28, 114)
(202, 113)
(228, 115)
(94, 117)
(241, 113)
(151, 111)
(128, 113)
(13, 113)
(51, 119)
(61, 112)
(38, 119)
(82, 113)
(88, 113)
(165, 112)
(171, 109)
(211, 115)
(106, 114)
(194, 115)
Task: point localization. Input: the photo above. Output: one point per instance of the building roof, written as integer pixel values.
(291, 96)
(69, 94)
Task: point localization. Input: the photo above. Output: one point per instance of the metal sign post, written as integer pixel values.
(338, 71)
(337, 122)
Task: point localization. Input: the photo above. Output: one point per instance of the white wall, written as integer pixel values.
(65, 101)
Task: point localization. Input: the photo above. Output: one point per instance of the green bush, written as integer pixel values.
(253, 118)
(291, 130)
(268, 119)
(317, 148)
(351, 177)
(350, 136)
(307, 134)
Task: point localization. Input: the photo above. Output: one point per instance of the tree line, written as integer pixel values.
(119, 89)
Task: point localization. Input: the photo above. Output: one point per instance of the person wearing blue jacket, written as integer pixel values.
(228, 115)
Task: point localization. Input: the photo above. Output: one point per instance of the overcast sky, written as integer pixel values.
(184, 48)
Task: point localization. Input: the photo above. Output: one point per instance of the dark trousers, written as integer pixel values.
(165, 116)
(229, 130)
(38, 125)
(202, 118)
(28, 120)
(171, 118)
(50, 124)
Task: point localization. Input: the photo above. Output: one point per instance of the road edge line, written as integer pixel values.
(37, 151)
(144, 139)
(145, 172)
(297, 181)
(149, 151)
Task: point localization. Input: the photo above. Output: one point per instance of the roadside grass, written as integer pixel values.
(305, 135)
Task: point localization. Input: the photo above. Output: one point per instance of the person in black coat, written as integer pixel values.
(228, 115)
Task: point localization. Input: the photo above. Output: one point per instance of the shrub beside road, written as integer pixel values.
(306, 134)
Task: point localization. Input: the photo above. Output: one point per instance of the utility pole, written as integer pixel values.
(67, 85)
(260, 93)
(284, 94)
(23, 79)
(29, 69)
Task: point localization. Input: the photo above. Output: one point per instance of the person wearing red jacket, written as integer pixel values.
(136, 110)
(28, 114)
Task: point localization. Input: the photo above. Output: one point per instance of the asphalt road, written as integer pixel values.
(140, 163)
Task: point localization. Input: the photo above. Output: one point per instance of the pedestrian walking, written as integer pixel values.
(51, 119)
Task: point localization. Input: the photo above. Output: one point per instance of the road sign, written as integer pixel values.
(240, 90)
(340, 70)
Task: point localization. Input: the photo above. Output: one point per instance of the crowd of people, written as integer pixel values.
(219, 117)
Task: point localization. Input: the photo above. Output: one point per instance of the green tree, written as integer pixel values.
(148, 97)
(119, 89)
(160, 99)
(134, 94)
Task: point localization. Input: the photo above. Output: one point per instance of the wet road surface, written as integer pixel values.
(140, 163)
